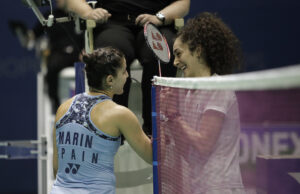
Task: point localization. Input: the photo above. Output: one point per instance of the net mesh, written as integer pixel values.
(210, 132)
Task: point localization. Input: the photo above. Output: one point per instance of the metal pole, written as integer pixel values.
(42, 160)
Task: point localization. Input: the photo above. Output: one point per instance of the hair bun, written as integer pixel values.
(88, 59)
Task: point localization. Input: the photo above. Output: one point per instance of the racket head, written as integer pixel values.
(157, 42)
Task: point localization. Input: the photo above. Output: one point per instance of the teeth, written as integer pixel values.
(183, 67)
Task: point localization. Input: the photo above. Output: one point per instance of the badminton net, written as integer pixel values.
(208, 132)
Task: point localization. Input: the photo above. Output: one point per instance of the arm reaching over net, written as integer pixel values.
(204, 136)
(129, 126)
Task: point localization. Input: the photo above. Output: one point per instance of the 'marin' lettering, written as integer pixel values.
(74, 138)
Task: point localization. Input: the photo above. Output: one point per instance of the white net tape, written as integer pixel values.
(285, 77)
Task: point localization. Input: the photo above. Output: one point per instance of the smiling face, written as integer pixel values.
(189, 62)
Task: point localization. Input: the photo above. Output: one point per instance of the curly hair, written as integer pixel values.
(101, 63)
(219, 46)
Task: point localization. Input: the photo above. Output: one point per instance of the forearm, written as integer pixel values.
(177, 9)
(198, 139)
(55, 163)
(191, 135)
(55, 155)
(54, 172)
(144, 148)
(148, 151)
(80, 7)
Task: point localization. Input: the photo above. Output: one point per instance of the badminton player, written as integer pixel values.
(88, 128)
(205, 126)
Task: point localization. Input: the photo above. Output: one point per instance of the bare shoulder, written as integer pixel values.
(123, 113)
(120, 114)
(111, 117)
(63, 108)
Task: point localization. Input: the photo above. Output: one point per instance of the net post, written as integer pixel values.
(154, 141)
(79, 77)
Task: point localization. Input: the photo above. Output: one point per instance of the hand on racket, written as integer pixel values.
(142, 19)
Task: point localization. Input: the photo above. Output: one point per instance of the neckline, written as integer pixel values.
(85, 93)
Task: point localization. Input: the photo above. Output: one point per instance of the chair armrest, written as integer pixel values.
(178, 23)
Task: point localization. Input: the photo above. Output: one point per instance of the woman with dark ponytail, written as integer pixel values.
(88, 129)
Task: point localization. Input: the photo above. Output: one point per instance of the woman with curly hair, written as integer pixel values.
(208, 42)
(207, 119)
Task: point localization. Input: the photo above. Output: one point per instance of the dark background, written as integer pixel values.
(268, 31)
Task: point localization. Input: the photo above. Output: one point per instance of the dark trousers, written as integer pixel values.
(57, 61)
(130, 39)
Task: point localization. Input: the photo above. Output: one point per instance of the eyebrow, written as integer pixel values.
(175, 50)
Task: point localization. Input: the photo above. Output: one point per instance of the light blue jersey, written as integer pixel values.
(85, 153)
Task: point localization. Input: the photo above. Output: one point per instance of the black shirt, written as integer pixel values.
(134, 6)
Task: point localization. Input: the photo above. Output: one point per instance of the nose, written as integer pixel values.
(176, 61)
(127, 74)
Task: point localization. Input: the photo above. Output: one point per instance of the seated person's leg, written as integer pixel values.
(150, 68)
(120, 37)
(56, 62)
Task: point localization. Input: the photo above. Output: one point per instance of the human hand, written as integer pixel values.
(99, 14)
(163, 105)
(142, 19)
(80, 56)
(171, 120)
(169, 103)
